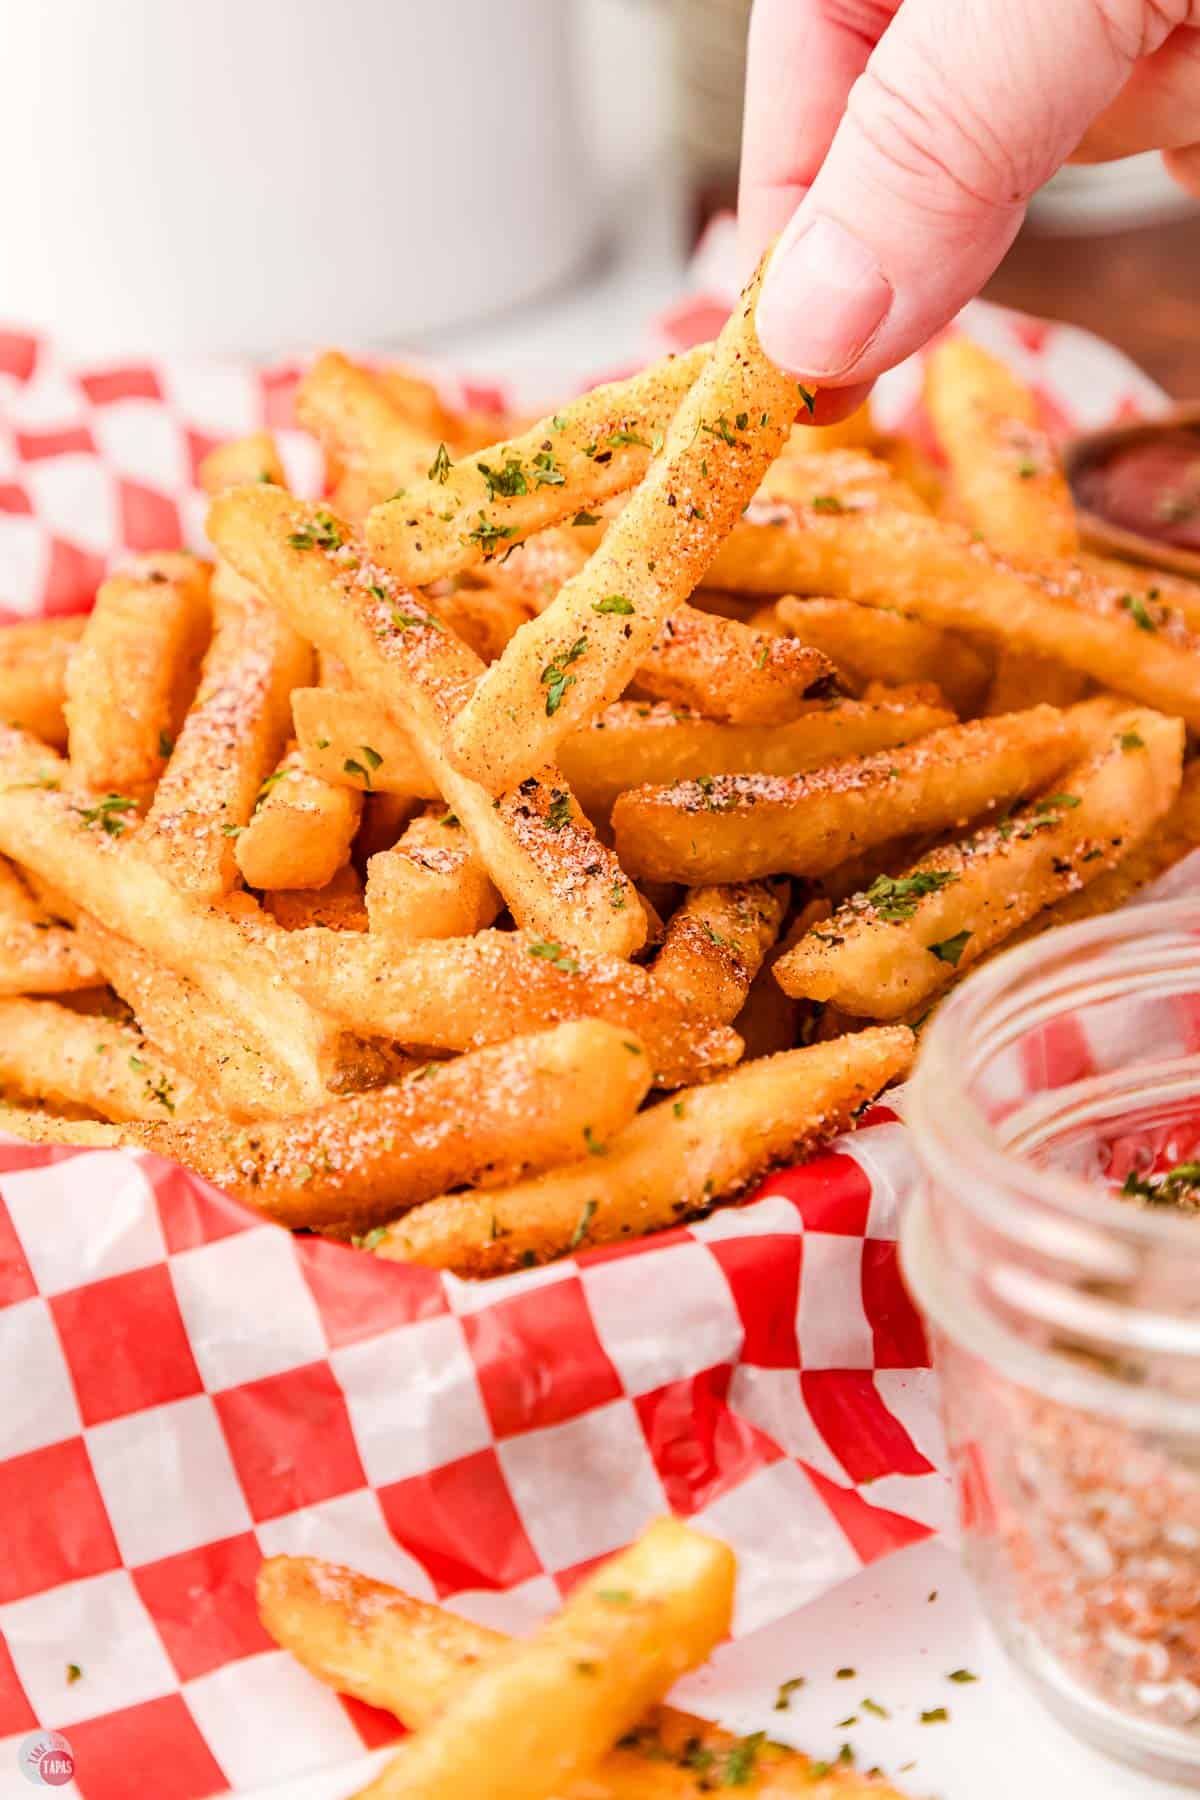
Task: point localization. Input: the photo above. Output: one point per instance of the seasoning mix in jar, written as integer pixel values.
(1055, 1250)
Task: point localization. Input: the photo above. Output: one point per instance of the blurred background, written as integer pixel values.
(517, 184)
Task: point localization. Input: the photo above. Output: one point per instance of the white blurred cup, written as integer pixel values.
(242, 175)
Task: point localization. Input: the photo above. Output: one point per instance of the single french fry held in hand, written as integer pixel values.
(341, 732)
(1006, 472)
(539, 1718)
(891, 948)
(368, 439)
(527, 1104)
(676, 1159)
(577, 656)
(460, 993)
(228, 743)
(536, 845)
(48, 1052)
(339, 906)
(715, 944)
(730, 671)
(411, 1658)
(484, 503)
(38, 954)
(301, 830)
(250, 458)
(33, 675)
(133, 673)
(870, 645)
(75, 845)
(742, 827)
(430, 884)
(1066, 611)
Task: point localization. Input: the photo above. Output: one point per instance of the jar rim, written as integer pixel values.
(954, 1139)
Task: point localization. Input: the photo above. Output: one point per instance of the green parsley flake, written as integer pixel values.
(1129, 740)
(554, 954)
(615, 1596)
(613, 603)
(107, 813)
(894, 898)
(440, 467)
(558, 813)
(369, 1239)
(1136, 607)
(937, 1715)
(1169, 1188)
(546, 473)
(846, 1674)
(1055, 802)
(585, 518)
(74, 1674)
(487, 535)
(783, 1698)
(961, 1676)
(555, 678)
(827, 503)
(583, 1221)
(950, 949)
(165, 746)
(594, 1145)
(506, 482)
(807, 399)
(619, 439)
(323, 533)
(876, 1711)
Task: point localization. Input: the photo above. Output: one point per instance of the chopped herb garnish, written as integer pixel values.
(107, 813)
(546, 473)
(894, 898)
(876, 1711)
(783, 1698)
(323, 533)
(846, 1723)
(677, 1108)
(846, 1674)
(1129, 740)
(937, 1715)
(506, 482)
(807, 399)
(1135, 606)
(74, 1674)
(761, 660)
(619, 439)
(559, 422)
(352, 767)
(594, 1146)
(487, 535)
(162, 1091)
(448, 818)
(740, 1759)
(585, 1218)
(1163, 1190)
(322, 743)
(555, 678)
(1026, 469)
(615, 1596)
(1053, 802)
(554, 954)
(616, 896)
(722, 429)
(232, 831)
(369, 1239)
(583, 517)
(613, 603)
(961, 1675)
(165, 746)
(402, 620)
(950, 949)
(439, 468)
(558, 813)
(827, 503)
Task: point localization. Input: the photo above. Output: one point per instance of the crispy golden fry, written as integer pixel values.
(193, 1030)
(431, 884)
(835, 481)
(1180, 596)
(76, 847)
(300, 831)
(33, 675)
(486, 1117)
(411, 1658)
(229, 742)
(728, 671)
(460, 993)
(484, 617)
(873, 645)
(133, 673)
(385, 819)
(676, 1159)
(891, 948)
(536, 845)
(909, 463)
(537, 1719)
(1022, 679)
(538, 567)
(38, 954)
(339, 906)
(596, 446)
(742, 827)
(1005, 469)
(375, 447)
(577, 656)
(250, 458)
(333, 729)
(39, 1127)
(770, 1019)
(716, 942)
(1065, 610)
(48, 1052)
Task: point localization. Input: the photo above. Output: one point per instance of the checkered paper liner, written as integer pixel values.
(187, 1389)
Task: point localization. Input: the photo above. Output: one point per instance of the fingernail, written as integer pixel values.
(823, 300)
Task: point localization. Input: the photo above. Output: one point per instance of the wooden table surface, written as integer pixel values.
(1140, 289)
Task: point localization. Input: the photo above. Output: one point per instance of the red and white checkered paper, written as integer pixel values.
(187, 1389)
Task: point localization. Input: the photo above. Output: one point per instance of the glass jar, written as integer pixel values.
(1057, 1262)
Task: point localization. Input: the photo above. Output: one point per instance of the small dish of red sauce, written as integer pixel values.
(1137, 488)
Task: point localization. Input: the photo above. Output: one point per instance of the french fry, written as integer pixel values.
(535, 1720)
(385, 817)
(577, 656)
(536, 845)
(376, 448)
(39, 1127)
(1022, 679)
(872, 645)
(77, 849)
(1066, 611)
(1154, 587)
(229, 742)
(48, 1052)
(730, 671)
(133, 673)
(250, 458)
(893, 947)
(333, 729)
(715, 944)
(300, 831)
(538, 568)
(196, 1033)
(38, 955)
(486, 1117)
(485, 618)
(742, 827)
(411, 1658)
(597, 446)
(430, 885)
(675, 1160)
(835, 481)
(338, 906)
(909, 463)
(33, 675)
(1006, 472)
(461, 993)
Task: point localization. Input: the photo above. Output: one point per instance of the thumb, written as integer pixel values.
(963, 110)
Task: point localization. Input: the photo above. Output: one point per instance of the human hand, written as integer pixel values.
(895, 145)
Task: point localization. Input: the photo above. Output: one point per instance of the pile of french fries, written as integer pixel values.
(533, 844)
(571, 1711)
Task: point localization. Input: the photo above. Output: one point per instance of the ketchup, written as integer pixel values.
(1150, 485)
